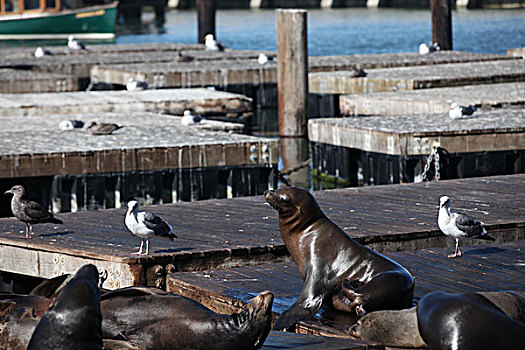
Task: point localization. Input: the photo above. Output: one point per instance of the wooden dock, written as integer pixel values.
(430, 101)
(394, 149)
(171, 101)
(494, 267)
(18, 81)
(412, 78)
(223, 233)
(516, 52)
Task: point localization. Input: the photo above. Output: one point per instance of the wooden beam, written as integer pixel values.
(441, 12)
(292, 72)
(205, 18)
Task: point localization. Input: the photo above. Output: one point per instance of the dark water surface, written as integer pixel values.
(344, 31)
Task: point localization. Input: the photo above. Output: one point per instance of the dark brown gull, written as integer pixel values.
(29, 212)
(103, 128)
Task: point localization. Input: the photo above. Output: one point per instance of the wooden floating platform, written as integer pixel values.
(284, 340)
(412, 78)
(517, 52)
(148, 141)
(19, 81)
(485, 131)
(172, 101)
(483, 267)
(224, 73)
(240, 231)
(438, 100)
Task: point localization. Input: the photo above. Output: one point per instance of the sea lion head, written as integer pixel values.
(257, 316)
(293, 202)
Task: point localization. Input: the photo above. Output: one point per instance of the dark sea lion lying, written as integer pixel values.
(74, 320)
(468, 322)
(167, 321)
(335, 268)
(484, 320)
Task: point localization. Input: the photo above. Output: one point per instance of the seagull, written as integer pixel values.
(264, 58)
(40, 52)
(184, 58)
(70, 124)
(73, 44)
(212, 44)
(103, 128)
(357, 72)
(144, 224)
(459, 225)
(425, 49)
(457, 111)
(135, 85)
(190, 118)
(29, 212)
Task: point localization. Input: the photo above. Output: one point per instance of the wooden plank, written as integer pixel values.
(412, 78)
(244, 231)
(172, 101)
(283, 340)
(433, 101)
(18, 81)
(496, 130)
(26, 152)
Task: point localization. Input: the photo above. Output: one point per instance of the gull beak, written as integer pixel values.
(7, 192)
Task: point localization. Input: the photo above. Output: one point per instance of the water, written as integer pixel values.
(344, 31)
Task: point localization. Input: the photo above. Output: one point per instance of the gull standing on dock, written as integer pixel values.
(457, 111)
(459, 225)
(144, 224)
(212, 44)
(103, 128)
(190, 118)
(29, 212)
(135, 85)
(74, 44)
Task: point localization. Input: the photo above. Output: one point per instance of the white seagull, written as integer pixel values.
(264, 58)
(73, 44)
(456, 111)
(459, 225)
(71, 124)
(40, 52)
(425, 49)
(135, 85)
(211, 44)
(190, 118)
(144, 224)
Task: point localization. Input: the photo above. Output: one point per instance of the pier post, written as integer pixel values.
(441, 12)
(292, 72)
(205, 18)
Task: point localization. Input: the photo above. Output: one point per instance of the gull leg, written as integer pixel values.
(27, 231)
(140, 249)
(455, 251)
(459, 253)
(147, 246)
(30, 231)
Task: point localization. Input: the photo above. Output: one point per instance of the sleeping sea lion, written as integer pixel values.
(335, 268)
(160, 320)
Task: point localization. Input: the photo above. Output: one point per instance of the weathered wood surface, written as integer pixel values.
(148, 141)
(483, 267)
(232, 232)
(517, 52)
(18, 81)
(172, 101)
(292, 72)
(231, 72)
(412, 78)
(283, 340)
(486, 96)
(495, 130)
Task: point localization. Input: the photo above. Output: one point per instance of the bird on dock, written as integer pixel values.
(357, 72)
(135, 85)
(456, 111)
(103, 128)
(190, 118)
(459, 225)
(29, 212)
(184, 58)
(74, 44)
(145, 224)
(211, 44)
(425, 49)
(71, 124)
(264, 58)
(40, 52)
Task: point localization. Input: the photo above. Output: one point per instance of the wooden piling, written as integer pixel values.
(205, 18)
(441, 12)
(292, 72)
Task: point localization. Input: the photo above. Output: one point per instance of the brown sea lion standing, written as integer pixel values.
(335, 268)
(160, 320)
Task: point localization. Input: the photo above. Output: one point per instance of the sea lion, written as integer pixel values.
(335, 268)
(467, 321)
(397, 328)
(169, 321)
(74, 319)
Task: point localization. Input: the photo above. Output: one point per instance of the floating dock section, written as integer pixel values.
(394, 149)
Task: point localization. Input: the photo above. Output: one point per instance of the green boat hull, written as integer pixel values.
(96, 22)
